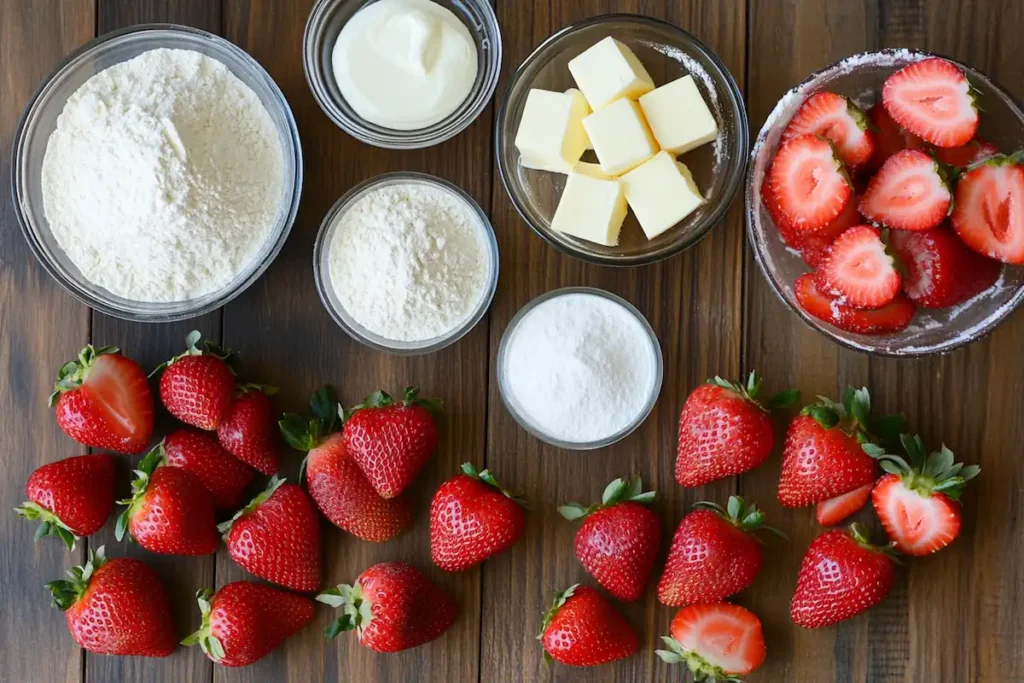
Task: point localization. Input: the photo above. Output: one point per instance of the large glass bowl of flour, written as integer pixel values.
(40, 120)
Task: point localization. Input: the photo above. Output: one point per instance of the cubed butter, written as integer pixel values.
(591, 209)
(545, 164)
(621, 137)
(661, 193)
(592, 170)
(678, 116)
(574, 92)
(551, 134)
(608, 71)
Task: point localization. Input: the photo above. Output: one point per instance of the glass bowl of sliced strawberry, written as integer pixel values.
(885, 202)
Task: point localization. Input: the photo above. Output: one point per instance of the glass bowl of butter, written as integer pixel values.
(402, 74)
(622, 140)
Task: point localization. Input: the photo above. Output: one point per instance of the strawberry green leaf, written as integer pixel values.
(296, 432)
(784, 399)
(323, 405)
(559, 600)
(970, 472)
(470, 470)
(614, 491)
(888, 429)
(734, 507)
(573, 511)
(826, 416)
(343, 623)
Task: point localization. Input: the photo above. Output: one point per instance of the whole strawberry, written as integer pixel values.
(71, 497)
(724, 431)
(391, 442)
(618, 540)
(277, 537)
(243, 621)
(717, 642)
(391, 607)
(471, 519)
(714, 554)
(116, 607)
(337, 486)
(249, 431)
(841, 575)
(198, 387)
(170, 511)
(918, 500)
(103, 400)
(583, 629)
(224, 476)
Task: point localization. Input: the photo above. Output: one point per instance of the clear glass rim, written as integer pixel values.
(659, 369)
(374, 341)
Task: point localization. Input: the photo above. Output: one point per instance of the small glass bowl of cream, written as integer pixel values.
(423, 40)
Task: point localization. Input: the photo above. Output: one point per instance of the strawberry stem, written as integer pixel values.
(66, 593)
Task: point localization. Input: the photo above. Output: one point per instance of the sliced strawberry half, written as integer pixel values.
(989, 210)
(859, 270)
(939, 271)
(816, 246)
(808, 185)
(975, 151)
(717, 641)
(932, 99)
(889, 319)
(909, 192)
(890, 137)
(834, 510)
(839, 121)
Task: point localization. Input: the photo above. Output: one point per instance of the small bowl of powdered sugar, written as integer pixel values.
(406, 263)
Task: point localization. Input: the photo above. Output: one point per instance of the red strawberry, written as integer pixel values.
(198, 387)
(717, 642)
(618, 540)
(893, 317)
(277, 537)
(583, 629)
(713, 554)
(116, 607)
(940, 270)
(724, 431)
(859, 271)
(103, 400)
(244, 622)
(807, 184)
(910, 192)
(220, 473)
(392, 607)
(933, 100)
(249, 430)
(834, 510)
(841, 575)
(822, 456)
(391, 441)
(815, 247)
(72, 497)
(889, 136)
(839, 121)
(170, 511)
(918, 500)
(989, 210)
(471, 519)
(974, 152)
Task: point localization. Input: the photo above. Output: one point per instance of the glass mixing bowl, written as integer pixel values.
(40, 119)
(860, 77)
(668, 53)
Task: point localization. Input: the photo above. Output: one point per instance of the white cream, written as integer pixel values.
(405, 64)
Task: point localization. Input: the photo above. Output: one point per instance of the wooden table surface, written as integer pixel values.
(955, 617)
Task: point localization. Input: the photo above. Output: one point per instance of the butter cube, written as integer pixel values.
(679, 117)
(608, 71)
(661, 193)
(574, 92)
(551, 134)
(592, 170)
(591, 209)
(621, 137)
(544, 164)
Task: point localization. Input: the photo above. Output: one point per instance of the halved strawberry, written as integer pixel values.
(939, 270)
(989, 210)
(890, 137)
(975, 151)
(908, 193)
(808, 185)
(891, 318)
(932, 99)
(839, 121)
(816, 246)
(834, 510)
(859, 270)
(717, 642)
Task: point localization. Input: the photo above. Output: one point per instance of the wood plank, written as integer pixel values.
(287, 339)
(693, 303)
(44, 327)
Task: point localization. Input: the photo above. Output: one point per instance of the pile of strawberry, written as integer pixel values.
(901, 207)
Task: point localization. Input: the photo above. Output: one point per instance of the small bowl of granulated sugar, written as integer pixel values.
(406, 263)
(579, 368)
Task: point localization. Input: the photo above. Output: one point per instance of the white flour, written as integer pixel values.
(163, 177)
(408, 262)
(579, 367)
